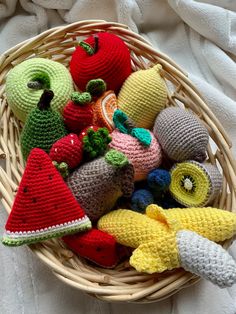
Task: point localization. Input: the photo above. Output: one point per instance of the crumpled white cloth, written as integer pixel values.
(201, 37)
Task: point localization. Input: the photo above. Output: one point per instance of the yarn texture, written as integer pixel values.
(205, 258)
(195, 184)
(43, 127)
(143, 96)
(110, 61)
(44, 207)
(95, 245)
(98, 184)
(68, 149)
(103, 110)
(181, 134)
(144, 159)
(49, 74)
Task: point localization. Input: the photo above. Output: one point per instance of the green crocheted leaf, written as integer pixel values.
(81, 98)
(119, 119)
(62, 168)
(143, 135)
(39, 81)
(116, 158)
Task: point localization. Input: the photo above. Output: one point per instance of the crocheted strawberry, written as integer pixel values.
(69, 150)
(44, 207)
(95, 245)
(43, 126)
(102, 55)
(78, 113)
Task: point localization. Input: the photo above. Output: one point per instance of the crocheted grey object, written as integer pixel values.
(206, 259)
(181, 134)
(97, 185)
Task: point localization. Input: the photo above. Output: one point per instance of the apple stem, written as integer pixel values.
(88, 48)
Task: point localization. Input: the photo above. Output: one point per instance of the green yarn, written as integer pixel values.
(43, 127)
(62, 168)
(143, 135)
(88, 48)
(39, 81)
(126, 126)
(116, 158)
(81, 98)
(22, 99)
(96, 87)
(96, 142)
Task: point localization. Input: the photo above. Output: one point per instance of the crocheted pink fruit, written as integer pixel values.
(144, 159)
(68, 149)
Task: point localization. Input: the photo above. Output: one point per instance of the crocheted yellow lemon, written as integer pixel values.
(143, 96)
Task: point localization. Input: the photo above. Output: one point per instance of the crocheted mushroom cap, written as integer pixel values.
(108, 59)
(26, 81)
(181, 134)
(144, 159)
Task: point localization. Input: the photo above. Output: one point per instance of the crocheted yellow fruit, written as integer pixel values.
(143, 96)
(195, 184)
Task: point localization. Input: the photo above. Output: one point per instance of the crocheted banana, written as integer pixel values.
(164, 240)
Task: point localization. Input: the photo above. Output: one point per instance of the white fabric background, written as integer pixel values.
(201, 37)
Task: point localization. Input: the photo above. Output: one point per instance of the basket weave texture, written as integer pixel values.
(122, 283)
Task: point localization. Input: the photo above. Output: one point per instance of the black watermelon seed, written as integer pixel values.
(98, 249)
(50, 176)
(25, 189)
(34, 200)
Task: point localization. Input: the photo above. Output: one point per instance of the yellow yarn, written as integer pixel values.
(154, 235)
(155, 243)
(143, 96)
(180, 174)
(213, 223)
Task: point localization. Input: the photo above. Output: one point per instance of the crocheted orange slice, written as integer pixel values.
(104, 109)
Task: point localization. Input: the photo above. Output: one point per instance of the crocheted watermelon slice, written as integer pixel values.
(44, 207)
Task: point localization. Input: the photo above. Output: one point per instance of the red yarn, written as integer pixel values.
(95, 245)
(77, 117)
(111, 62)
(43, 199)
(68, 149)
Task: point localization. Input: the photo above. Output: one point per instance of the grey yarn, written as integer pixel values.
(181, 134)
(206, 259)
(97, 185)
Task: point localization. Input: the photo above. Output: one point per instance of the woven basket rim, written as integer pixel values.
(126, 284)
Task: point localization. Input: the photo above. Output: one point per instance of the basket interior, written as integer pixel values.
(122, 283)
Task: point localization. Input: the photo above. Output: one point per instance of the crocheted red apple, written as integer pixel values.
(78, 113)
(69, 150)
(102, 55)
(95, 245)
(44, 206)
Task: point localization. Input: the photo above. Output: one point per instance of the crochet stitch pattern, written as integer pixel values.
(195, 184)
(23, 96)
(43, 126)
(144, 159)
(95, 245)
(143, 96)
(99, 183)
(44, 206)
(181, 134)
(110, 61)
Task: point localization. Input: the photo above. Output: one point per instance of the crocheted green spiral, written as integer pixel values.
(26, 82)
(43, 126)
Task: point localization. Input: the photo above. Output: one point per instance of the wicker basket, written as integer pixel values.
(122, 283)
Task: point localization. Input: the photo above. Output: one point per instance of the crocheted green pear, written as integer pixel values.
(43, 126)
